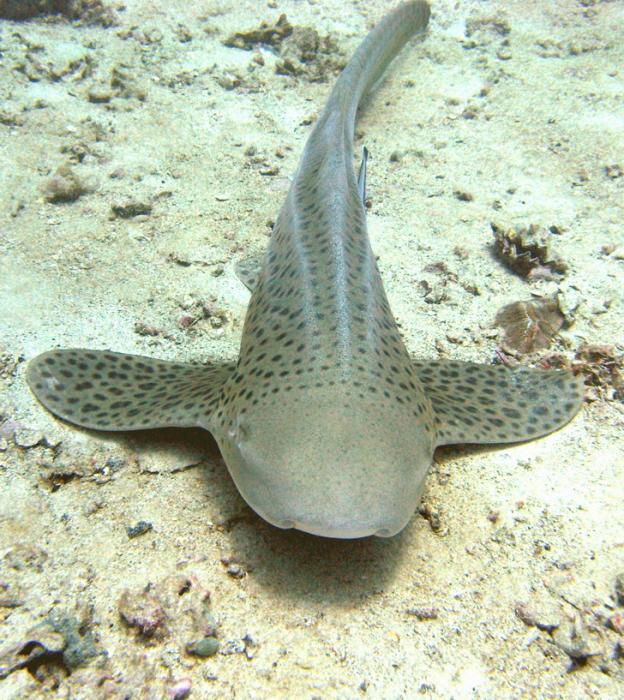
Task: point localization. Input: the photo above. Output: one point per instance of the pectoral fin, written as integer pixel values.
(476, 403)
(248, 271)
(112, 391)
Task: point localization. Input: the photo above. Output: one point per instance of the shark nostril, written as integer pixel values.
(237, 432)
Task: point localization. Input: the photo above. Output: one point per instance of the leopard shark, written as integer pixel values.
(326, 422)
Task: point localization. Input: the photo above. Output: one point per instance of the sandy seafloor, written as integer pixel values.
(184, 148)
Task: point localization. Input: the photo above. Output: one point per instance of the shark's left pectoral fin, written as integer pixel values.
(112, 391)
(475, 403)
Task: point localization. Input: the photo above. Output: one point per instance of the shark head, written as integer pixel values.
(346, 469)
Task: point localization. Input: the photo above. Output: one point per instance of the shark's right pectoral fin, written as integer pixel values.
(475, 403)
(105, 390)
(248, 271)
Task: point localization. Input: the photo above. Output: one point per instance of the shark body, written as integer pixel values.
(325, 422)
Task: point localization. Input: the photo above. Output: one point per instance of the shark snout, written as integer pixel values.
(330, 472)
(351, 530)
(333, 503)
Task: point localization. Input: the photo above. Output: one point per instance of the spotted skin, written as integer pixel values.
(114, 391)
(325, 422)
(493, 404)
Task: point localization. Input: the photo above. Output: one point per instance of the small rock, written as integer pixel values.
(208, 646)
(27, 438)
(10, 597)
(572, 639)
(608, 248)
(236, 571)
(602, 366)
(229, 80)
(180, 689)
(568, 302)
(91, 12)
(131, 208)
(494, 24)
(16, 206)
(616, 623)
(187, 321)
(183, 34)
(100, 95)
(81, 645)
(176, 608)
(233, 646)
(94, 505)
(619, 589)
(234, 568)
(270, 170)
(434, 518)
(614, 171)
(124, 85)
(144, 329)
(40, 642)
(504, 536)
(64, 186)
(22, 557)
(423, 613)
(61, 641)
(470, 112)
(534, 617)
(143, 611)
(307, 54)
(11, 118)
(271, 35)
(463, 196)
(251, 646)
(139, 529)
(434, 293)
